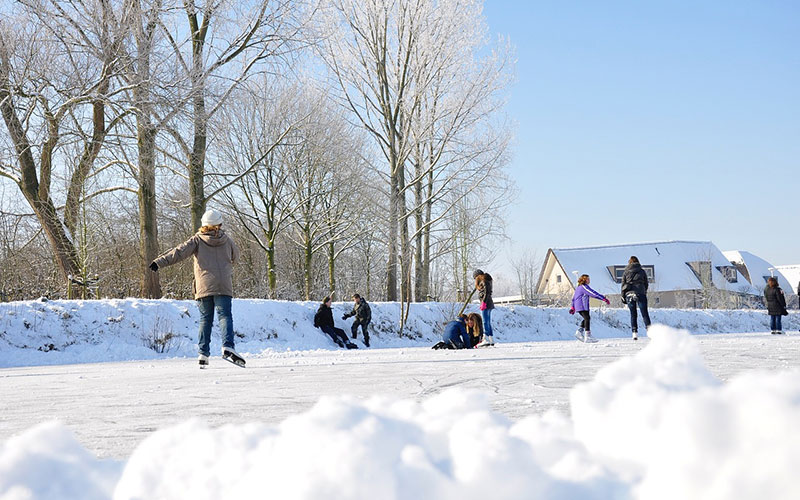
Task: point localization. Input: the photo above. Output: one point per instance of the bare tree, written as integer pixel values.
(527, 267)
(56, 69)
(255, 134)
(228, 41)
(369, 51)
(410, 73)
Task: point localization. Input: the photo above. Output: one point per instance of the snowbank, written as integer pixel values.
(61, 332)
(656, 425)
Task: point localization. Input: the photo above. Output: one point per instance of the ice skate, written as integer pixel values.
(487, 341)
(231, 356)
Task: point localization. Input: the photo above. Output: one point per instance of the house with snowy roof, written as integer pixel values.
(756, 270)
(681, 274)
(792, 275)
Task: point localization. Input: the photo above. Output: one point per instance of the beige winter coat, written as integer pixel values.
(214, 255)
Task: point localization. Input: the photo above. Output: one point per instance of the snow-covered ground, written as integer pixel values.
(673, 415)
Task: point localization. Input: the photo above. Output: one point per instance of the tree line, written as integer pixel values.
(353, 145)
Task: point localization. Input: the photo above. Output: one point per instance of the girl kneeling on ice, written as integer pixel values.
(580, 303)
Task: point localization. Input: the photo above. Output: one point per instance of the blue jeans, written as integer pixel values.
(641, 300)
(487, 322)
(222, 303)
(775, 322)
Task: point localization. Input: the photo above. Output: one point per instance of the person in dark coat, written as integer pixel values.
(455, 335)
(363, 315)
(634, 293)
(324, 321)
(483, 283)
(776, 304)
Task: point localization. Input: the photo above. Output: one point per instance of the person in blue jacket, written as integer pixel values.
(455, 335)
(580, 304)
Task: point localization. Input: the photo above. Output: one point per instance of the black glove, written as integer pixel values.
(153, 266)
(344, 317)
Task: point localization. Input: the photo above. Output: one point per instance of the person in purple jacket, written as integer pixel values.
(580, 304)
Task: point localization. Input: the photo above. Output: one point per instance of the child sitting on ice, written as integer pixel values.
(580, 303)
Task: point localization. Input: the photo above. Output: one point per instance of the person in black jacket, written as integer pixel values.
(634, 292)
(363, 315)
(324, 321)
(776, 304)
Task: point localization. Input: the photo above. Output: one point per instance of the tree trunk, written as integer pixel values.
(148, 225)
(420, 287)
(308, 256)
(90, 152)
(63, 248)
(197, 157)
(331, 268)
(271, 278)
(426, 240)
(394, 211)
(405, 240)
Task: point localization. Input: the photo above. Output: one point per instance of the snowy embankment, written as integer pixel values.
(655, 425)
(61, 332)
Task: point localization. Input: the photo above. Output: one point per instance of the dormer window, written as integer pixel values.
(729, 273)
(701, 270)
(617, 271)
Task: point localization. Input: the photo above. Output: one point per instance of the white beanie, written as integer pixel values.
(211, 218)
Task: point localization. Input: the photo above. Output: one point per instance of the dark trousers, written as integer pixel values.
(775, 322)
(354, 330)
(641, 301)
(337, 334)
(585, 324)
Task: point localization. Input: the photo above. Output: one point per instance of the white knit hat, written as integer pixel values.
(211, 218)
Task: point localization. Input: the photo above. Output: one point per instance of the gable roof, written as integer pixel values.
(759, 269)
(669, 259)
(792, 274)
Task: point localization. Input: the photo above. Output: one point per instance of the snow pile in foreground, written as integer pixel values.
(652, 426)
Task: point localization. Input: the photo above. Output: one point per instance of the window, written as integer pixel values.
(729, 273)
(617, 271)
(558, 278)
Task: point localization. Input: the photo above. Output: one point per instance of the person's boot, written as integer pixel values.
(202, 360)
(366, 340)
(635, 334)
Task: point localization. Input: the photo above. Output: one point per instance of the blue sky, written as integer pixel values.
(646, 121)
